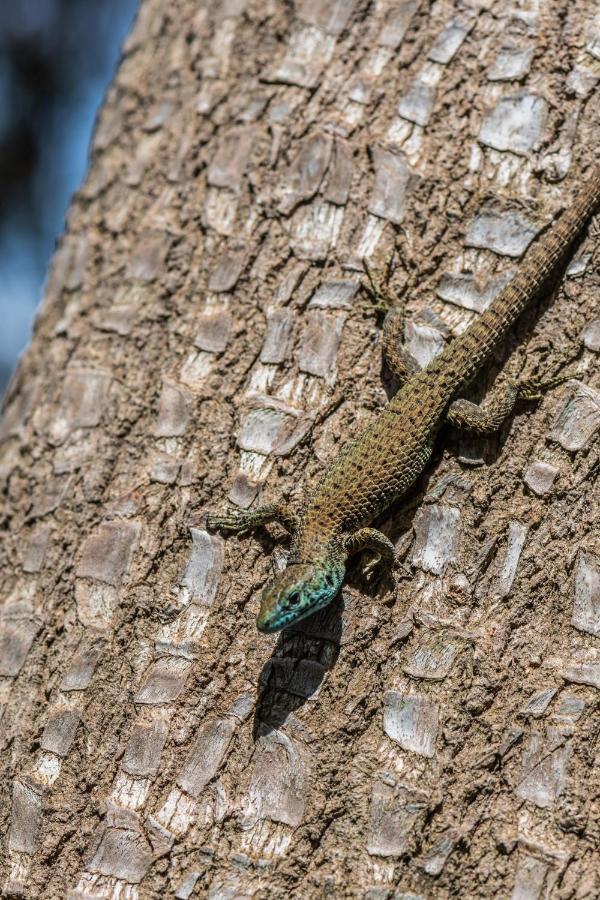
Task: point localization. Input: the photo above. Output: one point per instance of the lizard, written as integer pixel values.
(385, 459)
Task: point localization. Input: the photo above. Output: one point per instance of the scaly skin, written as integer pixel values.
(384, 461)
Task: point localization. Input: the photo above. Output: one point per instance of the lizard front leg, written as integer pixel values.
(371, 539)
(239, 521)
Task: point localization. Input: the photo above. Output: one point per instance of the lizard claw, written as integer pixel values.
(372, 565)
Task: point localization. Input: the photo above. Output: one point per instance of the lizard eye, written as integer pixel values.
(293, 599)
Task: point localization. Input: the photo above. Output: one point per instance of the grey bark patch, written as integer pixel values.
(207, 754)
(226, 272)
(436, 537)
(435, 858)
(119, 318)
(203, 571)
(392, 180)
(396, 24)
(339, 175)
(213, 329)
(18, 630)
(417, 103)
(569, 708)
(412, 721)
(578, 266)
(149, 255)
(262, 429)
(164, 681)
(319, 344)
(508, 233)
(35, 551)
(278, 780)
(228, 166)
(165, 470)
(450, 40)
(59, 732)
(516, 124)
(186, 887)
(538, 703)
(432, 659)
(544, 767)
(277, 339)
(331, 17)
(334, 295)
(591, 335)
(107, 552)
(309, 50)
(315, 229)
(511, 64)
(82, 666)
(531, 877)
(25, 816)
(396, 808)
(144, 748)
(584, 668)
(579, 419)
(517, 535)
(464, 290)
(83, 401)
(304, 176)
(124, 854)
(174, 408)
(423, 341)
(540, 477)
(586, 605)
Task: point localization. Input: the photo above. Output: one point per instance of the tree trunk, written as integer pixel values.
(435, 738)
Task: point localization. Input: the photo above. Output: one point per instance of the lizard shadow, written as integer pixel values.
(301, 658)
(305, 653)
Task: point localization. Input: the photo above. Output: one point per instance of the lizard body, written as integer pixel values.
(386, 458)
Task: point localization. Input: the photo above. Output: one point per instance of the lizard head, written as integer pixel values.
(299, 591)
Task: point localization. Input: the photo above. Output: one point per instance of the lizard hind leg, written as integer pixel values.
(398, 359)
(488, 418)
(240, 521)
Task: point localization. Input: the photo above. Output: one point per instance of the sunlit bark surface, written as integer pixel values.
(437, 738)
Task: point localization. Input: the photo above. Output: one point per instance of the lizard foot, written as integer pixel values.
(233, 522)
(534, 388)
(377, 570)
(378, 286)
(239, 521)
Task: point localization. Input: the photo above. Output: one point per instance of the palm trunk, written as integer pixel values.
(202, 310)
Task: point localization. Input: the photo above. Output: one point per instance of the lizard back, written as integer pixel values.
(385, 459)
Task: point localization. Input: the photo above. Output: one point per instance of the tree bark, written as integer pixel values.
(201, 317)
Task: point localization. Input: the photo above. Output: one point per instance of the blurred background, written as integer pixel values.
(57, 58)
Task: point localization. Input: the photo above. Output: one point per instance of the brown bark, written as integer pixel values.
(437, 739)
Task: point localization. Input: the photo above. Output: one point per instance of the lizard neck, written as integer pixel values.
(313, 545)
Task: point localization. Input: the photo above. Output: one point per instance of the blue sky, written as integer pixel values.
(57, 58)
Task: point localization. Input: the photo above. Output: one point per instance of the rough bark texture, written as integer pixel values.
(437, 739)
